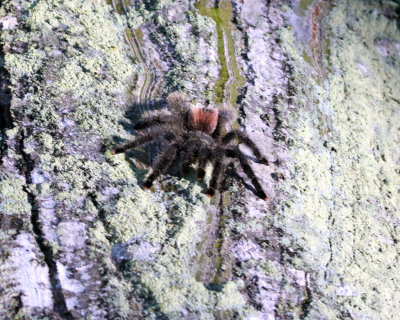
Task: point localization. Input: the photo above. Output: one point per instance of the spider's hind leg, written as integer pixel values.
(142, 139)
(133, 144)
(243, 138)
(162, 163)
(217, 173)
(188, 155)
(204, 157)
(236, 153)
(147, 122)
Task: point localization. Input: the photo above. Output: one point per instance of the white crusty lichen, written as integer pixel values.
(343, 209)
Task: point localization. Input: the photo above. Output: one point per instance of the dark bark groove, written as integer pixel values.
(59, 303)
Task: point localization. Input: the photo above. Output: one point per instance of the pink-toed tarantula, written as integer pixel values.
(194, 134)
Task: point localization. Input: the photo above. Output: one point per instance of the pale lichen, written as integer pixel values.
(14, 200)
(339, 223)
(343, 187)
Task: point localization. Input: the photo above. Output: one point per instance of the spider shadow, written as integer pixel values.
(142, 158)
(140, 162)
(138, 110)
(139, 159)
(233, 175)
(174, 171)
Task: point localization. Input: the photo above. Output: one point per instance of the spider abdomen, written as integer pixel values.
(199, 136)
(203, 119)
(193, 135)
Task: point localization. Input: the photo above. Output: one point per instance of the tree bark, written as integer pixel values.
(316, 87)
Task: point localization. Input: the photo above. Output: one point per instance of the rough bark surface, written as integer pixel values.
(317, 87)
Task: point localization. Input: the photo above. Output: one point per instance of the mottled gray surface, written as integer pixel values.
(316, 86)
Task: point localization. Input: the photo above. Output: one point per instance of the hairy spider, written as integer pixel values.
(194, 134)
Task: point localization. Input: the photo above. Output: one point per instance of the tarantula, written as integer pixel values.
(194, 134)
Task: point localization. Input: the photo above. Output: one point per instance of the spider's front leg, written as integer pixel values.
(132, 144)
(140, 140)
(204, 157)
(243, 138)
(236, 153)
(147, 122)
(188, 155)
(219, 167)
(162, 164)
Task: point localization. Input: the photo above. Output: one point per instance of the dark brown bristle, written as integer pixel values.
(228, 113)
(178, 101)
(195, 134)
(202, 119)
(210, 192)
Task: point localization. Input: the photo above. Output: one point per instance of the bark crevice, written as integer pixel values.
(59, 303)
(5, 93)
(5, 100)
(306, 304)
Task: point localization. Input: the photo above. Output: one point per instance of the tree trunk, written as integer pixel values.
(317, 87)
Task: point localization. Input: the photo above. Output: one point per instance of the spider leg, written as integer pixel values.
(163, 162)
(204, 157)
(142, 139)
(147, 122)
(243, 138)
(226, 114)
(236, 153)
(188, 155)
(217, 173)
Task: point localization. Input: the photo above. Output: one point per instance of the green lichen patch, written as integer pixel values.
(13, 199)
(187, 34)
(70, 74)
(174, 224)
(343, 208)
(74, 80)
(133, 217)
(304, 4)
(222, 17)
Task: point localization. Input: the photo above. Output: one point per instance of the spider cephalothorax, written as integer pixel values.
(194, 134)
